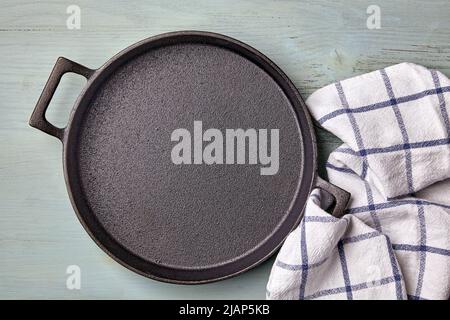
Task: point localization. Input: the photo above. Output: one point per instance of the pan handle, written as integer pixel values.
(37, 119)
(341, 197)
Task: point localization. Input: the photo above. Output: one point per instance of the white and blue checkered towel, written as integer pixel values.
(394, 240)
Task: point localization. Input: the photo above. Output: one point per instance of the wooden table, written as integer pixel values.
(314, 42)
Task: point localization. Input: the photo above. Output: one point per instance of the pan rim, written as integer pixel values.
(305, 125)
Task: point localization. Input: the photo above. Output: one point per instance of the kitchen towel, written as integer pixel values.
(394, 240)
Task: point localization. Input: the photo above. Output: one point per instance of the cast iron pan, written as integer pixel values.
(183, 223)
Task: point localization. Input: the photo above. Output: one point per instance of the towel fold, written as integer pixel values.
(394, 240)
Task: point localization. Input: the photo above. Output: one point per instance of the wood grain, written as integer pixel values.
(315, 42)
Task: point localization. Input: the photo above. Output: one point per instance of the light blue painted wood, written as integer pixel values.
(315, 42)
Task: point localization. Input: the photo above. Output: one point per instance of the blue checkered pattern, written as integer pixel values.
(394, 240)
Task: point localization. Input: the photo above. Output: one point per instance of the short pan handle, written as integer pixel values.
(341, 197)
(61, 67)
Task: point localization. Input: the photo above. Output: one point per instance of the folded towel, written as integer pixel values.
(394, 240)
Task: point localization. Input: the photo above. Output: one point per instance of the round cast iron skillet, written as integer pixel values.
(183, 223)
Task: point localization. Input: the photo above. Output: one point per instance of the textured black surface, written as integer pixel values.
(185, 216)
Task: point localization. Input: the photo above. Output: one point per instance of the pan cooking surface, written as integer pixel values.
(190, 215)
